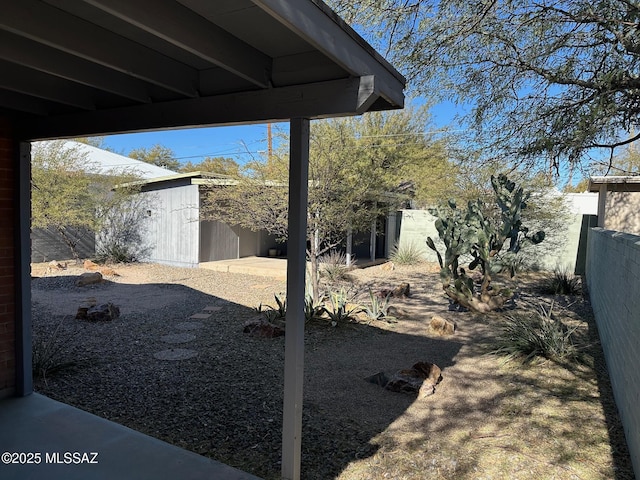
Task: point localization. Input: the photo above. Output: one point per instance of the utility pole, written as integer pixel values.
(269, 142)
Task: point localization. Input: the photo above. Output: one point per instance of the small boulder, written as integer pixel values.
(89, 265)
(398, 311)
(105, 312)
(403, 290)
(108, 271)
(89, 278)
(422, 379)
(441, 326)
(406, 381)
(387, 267)
(259, 327)
(82, 313)
(430, 372)
(55, 266)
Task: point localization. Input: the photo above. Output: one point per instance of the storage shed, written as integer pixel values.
(176, 234)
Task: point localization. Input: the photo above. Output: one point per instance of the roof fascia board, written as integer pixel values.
(631, 182)
(318, 100)
(311, 21)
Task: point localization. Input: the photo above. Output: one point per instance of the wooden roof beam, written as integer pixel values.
(187, 30)
(28, 53)
(55, 28)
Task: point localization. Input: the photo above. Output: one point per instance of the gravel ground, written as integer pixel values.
(225, 401)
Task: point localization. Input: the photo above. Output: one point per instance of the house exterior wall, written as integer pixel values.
(613, 278)
(8, 264)
(249, 242)
(267, 241)
(172, 230)
(622, 211)
(218, 241)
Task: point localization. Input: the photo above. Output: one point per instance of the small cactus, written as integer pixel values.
(471, 232)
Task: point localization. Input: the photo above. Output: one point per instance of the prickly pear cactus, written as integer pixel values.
(471, 232)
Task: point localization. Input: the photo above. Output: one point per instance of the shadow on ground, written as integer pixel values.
(226, 402)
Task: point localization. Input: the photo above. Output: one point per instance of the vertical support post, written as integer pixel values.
(602, 205)
(372, 241)
(296, 267)
(391, 238)
(24, 375)
(349, 246)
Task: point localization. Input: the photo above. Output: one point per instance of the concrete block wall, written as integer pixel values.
(7, 262)
(613, 278)
(556, 251)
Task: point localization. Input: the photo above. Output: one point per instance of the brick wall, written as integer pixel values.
(613, 277)
(7, 262)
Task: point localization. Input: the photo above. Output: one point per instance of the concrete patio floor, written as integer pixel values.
(260, 266)
(67, 439)
(265, 266)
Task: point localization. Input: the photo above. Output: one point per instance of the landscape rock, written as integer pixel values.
(403, 290)
(89, 265)
(389, 266)
(88, 278)
(55, 265)
(108, 271)
(259, 327)
(441, 326)
(398, 311)
(422, 379)
(104, 312)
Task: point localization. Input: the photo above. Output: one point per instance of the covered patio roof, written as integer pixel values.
(88, 67)
(627, 183)
(71, 68)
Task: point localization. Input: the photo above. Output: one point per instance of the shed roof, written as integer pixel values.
(87, 67)
(108, 163)
(180, 179)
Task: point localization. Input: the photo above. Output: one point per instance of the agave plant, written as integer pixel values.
(378, 308)
(341, 310)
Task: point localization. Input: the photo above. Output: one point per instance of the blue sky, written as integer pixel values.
(193, 145)
(239, 142)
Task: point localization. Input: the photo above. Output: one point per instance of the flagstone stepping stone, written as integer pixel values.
(175, 354)
(189, 325)
(202, 316)
(178, 338)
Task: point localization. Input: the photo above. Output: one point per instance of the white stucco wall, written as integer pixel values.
(417, 225)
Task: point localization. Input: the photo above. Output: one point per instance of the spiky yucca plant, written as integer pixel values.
(536, 334)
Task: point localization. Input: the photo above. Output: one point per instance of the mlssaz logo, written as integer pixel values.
(72, 458)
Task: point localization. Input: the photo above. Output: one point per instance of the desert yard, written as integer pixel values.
(176, 365)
